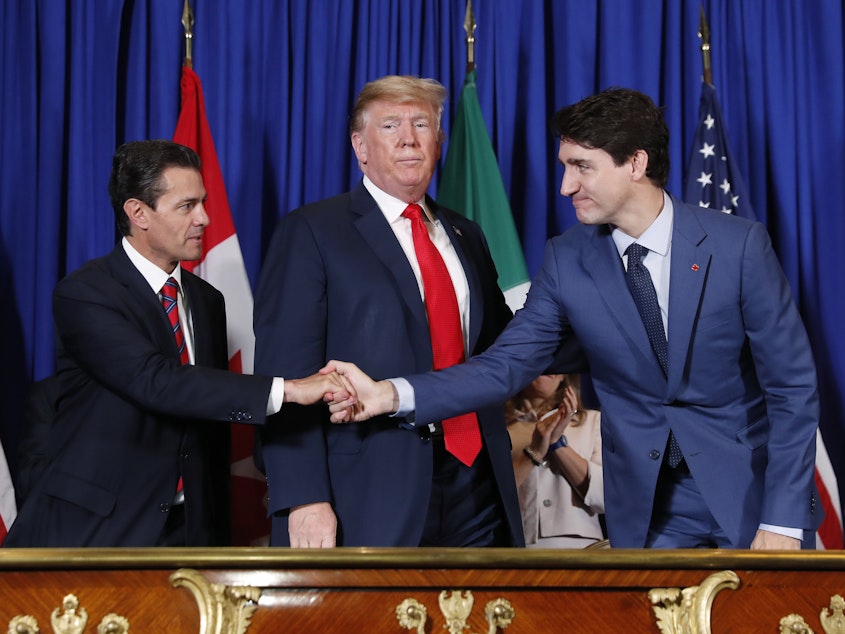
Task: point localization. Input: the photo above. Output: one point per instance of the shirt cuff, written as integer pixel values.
(407, 400)
(277, 396)
(795, 533)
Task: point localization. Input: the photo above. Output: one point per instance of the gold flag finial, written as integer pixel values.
(188, 23)
(704, 34)
(469, 27)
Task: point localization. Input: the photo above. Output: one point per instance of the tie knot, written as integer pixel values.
(636, 252)
(413, 212)
(170, 289)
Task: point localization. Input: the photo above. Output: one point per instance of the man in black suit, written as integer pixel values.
(134, 457)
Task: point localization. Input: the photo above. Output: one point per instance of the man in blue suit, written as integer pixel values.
(735, 390)
(344, 279)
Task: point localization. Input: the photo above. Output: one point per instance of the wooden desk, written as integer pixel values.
(259, 590)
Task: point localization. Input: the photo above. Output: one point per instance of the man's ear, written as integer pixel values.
(639, 164)
(359, 147)
(137, 212)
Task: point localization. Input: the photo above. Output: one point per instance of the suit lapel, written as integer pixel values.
(377, 233)
(690, 266)
(144, 302)
(200, 315)
(602, 261)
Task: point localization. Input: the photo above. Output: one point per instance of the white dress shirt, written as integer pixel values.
(392, 209)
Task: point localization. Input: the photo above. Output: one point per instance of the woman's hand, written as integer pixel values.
(551, 427)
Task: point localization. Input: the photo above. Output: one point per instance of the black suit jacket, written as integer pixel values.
(132, 420)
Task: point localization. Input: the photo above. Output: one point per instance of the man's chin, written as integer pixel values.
(192, 256)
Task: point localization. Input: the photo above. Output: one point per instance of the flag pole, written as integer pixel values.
(469, 27)
(188, 23)
(704, 34)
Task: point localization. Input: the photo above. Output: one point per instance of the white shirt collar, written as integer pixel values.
(152, 273)
(658, 236)
(391, 207)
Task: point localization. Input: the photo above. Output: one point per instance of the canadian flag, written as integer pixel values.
(222, 266)
(8, 510)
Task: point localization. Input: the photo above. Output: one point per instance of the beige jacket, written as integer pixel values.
(550, 506)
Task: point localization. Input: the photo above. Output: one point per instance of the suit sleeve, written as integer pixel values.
(290, 329)
(115, 337)
(525, 348)
(786, 372)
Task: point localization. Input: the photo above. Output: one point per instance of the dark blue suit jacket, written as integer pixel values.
(740, 394)
(131, 419)
(337, 285)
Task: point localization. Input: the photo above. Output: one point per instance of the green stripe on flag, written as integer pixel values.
(472, 185)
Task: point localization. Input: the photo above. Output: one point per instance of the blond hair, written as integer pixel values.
(399, 89)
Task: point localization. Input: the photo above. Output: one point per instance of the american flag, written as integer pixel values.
(714, 181)
(8, 511)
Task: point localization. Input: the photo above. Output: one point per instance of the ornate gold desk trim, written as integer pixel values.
(832, 619)
(687, 610)
(223, 609)
(455, 606)
(69, 619)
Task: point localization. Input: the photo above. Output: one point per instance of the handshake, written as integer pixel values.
(351, 395)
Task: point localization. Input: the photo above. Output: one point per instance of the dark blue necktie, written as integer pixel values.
(645, 297)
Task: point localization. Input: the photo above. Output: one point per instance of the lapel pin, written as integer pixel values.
(694, 267)
(457, 231)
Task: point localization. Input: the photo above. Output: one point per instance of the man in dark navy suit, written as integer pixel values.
(344, 279)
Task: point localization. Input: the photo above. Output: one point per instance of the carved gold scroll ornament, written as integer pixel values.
(455, 607)
(687, 610)
(223, 609)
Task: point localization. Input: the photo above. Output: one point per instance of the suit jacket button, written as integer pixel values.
(547, 503)
(654, 454)
(164, 507)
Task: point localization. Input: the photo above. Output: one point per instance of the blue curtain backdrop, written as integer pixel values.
(80, 77)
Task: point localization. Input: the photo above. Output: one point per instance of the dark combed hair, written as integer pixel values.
(619, 121)
(136, 172)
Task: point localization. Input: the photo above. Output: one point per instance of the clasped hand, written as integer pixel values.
(365, 398)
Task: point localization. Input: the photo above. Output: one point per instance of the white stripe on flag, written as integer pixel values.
(8, 510)
(223, 266)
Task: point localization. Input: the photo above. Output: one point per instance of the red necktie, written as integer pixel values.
(461, 433)
(168, 299)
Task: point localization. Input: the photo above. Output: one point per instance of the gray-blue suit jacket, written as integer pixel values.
(740, 394)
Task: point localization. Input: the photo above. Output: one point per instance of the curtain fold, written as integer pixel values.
(80, 77)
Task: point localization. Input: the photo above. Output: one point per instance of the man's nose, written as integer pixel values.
(408, 134)
(201, 216)
(568, 184)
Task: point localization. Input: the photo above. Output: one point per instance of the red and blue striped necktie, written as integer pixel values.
(169, 292)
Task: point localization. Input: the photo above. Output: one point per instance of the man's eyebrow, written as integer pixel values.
(193, 199)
